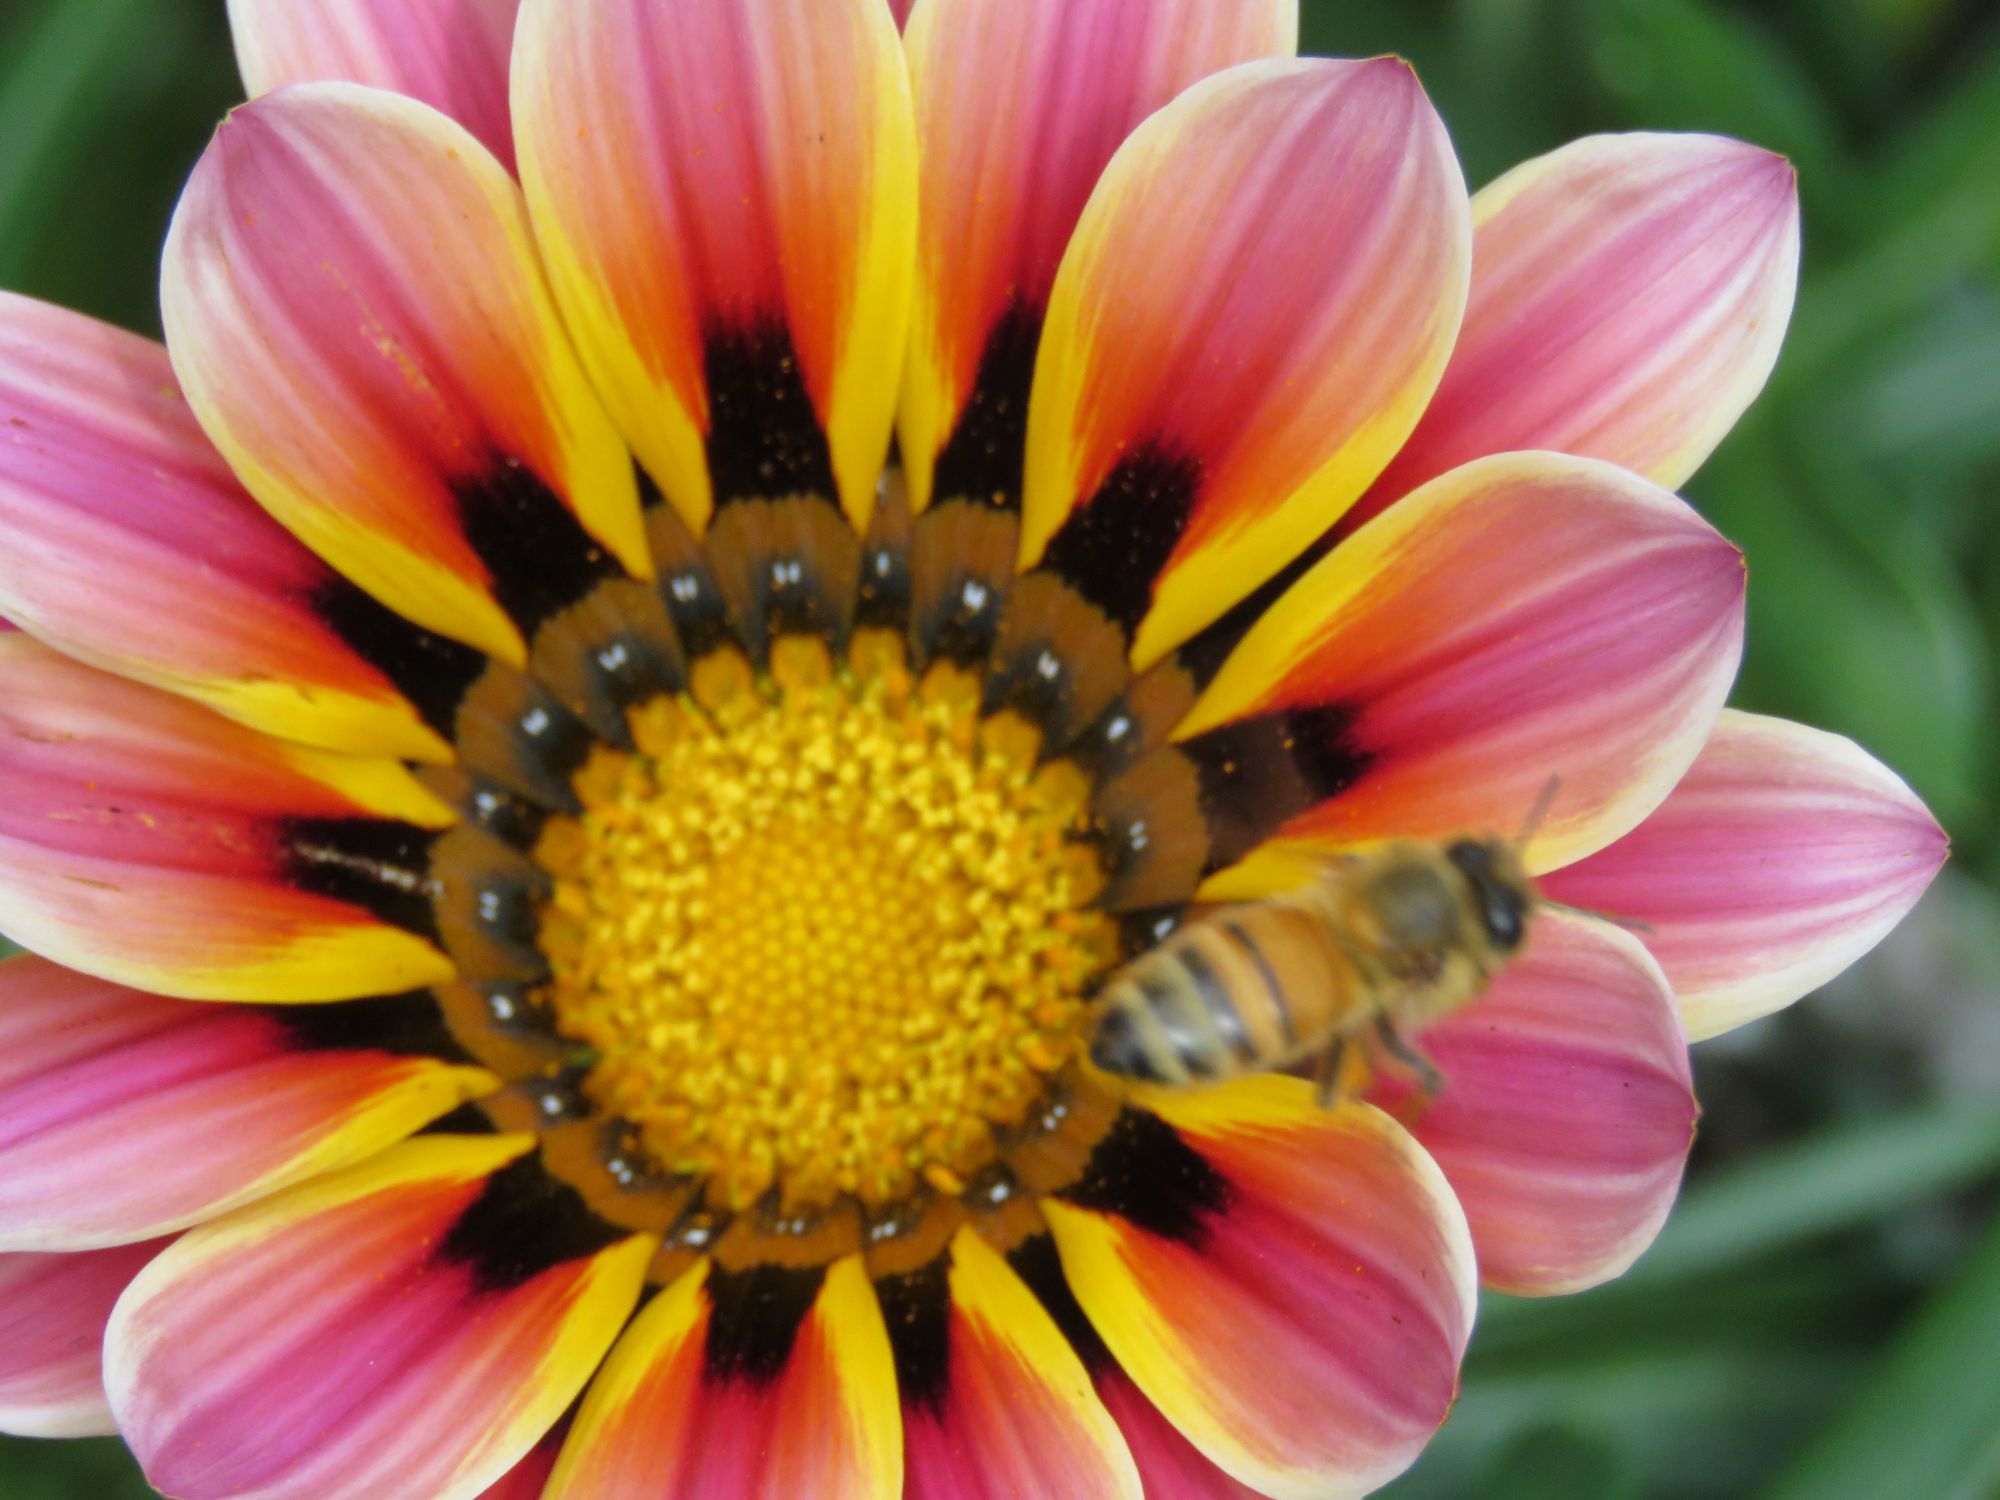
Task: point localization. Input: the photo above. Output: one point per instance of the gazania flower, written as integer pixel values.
(568, 873)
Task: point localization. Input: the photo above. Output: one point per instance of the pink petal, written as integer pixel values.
(150, 842)
(1231, 356)
(900, 9)
(1782, 856)
(407, 1327)
(1291, 1285)
(1629, 293)
(1568, 1110)
(358, 316)
(53, 1309)
(451, 54)
(1524, 617)
(125, 1116)
(529, 1478)
(1172, 1467)
(769, 1382)
(996, 1401)
(126, 542)
(1019, 108)
(725, 195)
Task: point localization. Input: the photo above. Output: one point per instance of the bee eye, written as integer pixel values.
(1503, 917)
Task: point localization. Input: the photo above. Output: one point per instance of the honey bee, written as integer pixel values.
(1381, 945)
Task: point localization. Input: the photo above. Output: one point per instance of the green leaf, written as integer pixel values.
(64, 64)
(1549, 1461)
(1835, 1180)
(1927, 1422)
(101, 1470)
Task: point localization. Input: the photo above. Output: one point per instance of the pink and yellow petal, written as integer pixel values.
(125, 1116)
(1629, 294)
(725, 194)
(1204, 403)
(1019, 108)
(1527, 617)
(996, 1402)
(126, 542)
(281, 1352)
(529, 1478)
(744, 1386)
(1782, 856)
(1292, 1286)
(356, 312)
(151, 842)
(1170, 1466)
(451, 54)
(53, 1309)
(1568, 1112)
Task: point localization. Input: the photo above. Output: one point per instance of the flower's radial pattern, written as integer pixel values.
(571, 861)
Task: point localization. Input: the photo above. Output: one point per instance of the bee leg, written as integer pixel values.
(1326, 1072)
(1400, 1047)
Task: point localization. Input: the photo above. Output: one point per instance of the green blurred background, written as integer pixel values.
(1821, 1321)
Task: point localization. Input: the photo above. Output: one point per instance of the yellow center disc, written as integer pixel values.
(823, 937)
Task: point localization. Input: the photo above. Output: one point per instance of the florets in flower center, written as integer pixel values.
(825, 937)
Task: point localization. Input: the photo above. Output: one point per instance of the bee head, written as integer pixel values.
(1500, 890)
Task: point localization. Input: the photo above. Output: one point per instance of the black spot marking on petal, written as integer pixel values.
(1111, 548)
(522, 1223)
(754, 1320)
(916, 1306)
(1257, 774)
(430, 670)
(537, 553)
(764, 437)
(984, 458)
(408, 1025)
(1035, 1261)
(1144, 1172)
(377, 864)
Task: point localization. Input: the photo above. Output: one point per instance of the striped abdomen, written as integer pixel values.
(1250, 988)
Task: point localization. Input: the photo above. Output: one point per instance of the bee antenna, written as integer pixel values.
(1544, 800)
(1630, 924)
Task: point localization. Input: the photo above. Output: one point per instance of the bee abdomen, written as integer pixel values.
(1202, 1008)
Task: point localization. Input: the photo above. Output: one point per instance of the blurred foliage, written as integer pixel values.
(1821, 1320)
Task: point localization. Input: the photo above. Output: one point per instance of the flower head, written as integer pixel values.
(569, 871)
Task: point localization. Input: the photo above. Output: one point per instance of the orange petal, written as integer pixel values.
(151, 842)
(1019, 108)
(411, 1326)
(1207, 400)
(125, 1116)
(356, 312)
(1525, 617)
(764, 1383)
(996, 1402)
(1292, 1286)
(725, 195)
